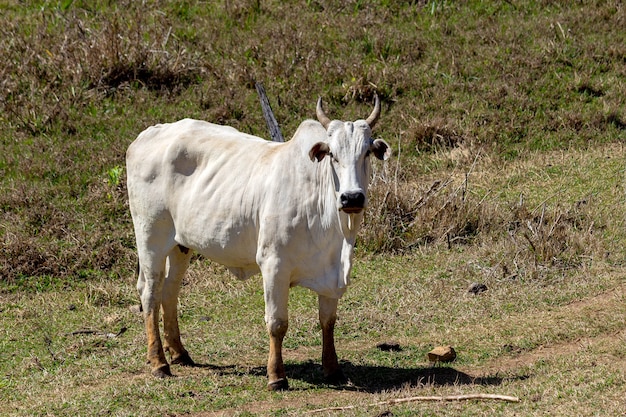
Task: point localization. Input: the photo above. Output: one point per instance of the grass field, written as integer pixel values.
(508, 123)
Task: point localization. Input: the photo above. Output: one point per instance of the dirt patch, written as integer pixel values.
(604, 302)
(508, 365)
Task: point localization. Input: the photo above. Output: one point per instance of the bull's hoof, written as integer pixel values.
(183, 360)
(336, 378)
(162, 371)
(278, 385)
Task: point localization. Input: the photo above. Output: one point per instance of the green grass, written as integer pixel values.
(507, 123)
(222, 325)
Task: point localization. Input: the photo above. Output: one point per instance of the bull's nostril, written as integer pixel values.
(355, 199)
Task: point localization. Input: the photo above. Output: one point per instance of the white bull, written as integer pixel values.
(288, 210)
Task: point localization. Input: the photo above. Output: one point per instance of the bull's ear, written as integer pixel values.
(319, 151)
(381, 149)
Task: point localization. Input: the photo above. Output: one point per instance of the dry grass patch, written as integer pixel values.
(538, 216)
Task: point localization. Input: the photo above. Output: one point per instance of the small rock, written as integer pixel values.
(71, 307)
(389, 347)
(442, 354)
(136, 309)
(476, 288)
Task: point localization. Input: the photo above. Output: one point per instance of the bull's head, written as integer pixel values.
(349, 146)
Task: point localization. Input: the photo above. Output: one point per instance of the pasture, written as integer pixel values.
(507, 121)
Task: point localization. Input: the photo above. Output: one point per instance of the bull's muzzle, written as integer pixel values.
(352, 202)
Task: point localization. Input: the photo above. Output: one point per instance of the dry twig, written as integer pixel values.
(425, 398)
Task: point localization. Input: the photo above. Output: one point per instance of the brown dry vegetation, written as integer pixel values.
(507, 121)
(80, 80)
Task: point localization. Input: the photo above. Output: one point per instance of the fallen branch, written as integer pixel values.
(424, 398)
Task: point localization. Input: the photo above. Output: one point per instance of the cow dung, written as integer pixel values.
(442, 354)
(476, 288)
(389, 347)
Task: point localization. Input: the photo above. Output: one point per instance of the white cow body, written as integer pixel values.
(254, 206)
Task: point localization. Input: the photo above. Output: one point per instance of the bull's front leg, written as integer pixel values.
(277, 322)
(328, 317)
(276, 377)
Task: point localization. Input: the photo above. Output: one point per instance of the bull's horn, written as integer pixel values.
(321, 116)
(371, 120)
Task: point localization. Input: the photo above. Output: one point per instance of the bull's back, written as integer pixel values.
(206, 178)
(160, 142)
(177, 156)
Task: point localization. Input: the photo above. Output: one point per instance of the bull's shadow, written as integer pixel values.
(375, 379)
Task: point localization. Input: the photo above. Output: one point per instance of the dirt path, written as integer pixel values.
(605, 303)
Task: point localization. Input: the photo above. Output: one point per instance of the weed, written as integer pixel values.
(114, 175)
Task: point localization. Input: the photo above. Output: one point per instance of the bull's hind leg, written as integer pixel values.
(178, 261)
(150, 287)
(328, 317)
